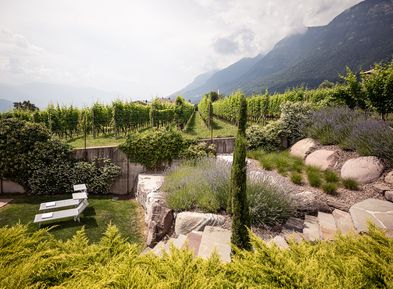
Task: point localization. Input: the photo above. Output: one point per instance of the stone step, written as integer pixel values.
(311, 228)
(376, 211)
(178, 242)
(160, 248)
(292, 236)
(343, 222)
(193, 241)
(279, 241)
(294, 224)
(215, 239)
(327, 226)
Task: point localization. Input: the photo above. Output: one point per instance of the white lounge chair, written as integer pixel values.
(59, 204)
(61, 215)
(80, 188)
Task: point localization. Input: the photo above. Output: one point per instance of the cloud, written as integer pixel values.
(144, 48)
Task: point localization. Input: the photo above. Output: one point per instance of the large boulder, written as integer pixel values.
(193, 221)
(303, 147)
(159, 225)
(323, 159)
(364, 169)
(389, 178)
(309, 203)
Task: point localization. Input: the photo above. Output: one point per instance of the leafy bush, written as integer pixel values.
(330, 188)
(204, 185)
(198, 151)
(294, 119)
(350, 184)
(154, 148)
(158, 147)
(264, 137)
(37, 260)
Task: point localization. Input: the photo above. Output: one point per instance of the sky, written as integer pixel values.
(140, 49)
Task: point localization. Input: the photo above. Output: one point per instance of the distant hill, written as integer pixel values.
(42, 94)
(358, 37)
(5, 105)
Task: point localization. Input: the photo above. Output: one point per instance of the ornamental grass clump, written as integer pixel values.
(350, 184)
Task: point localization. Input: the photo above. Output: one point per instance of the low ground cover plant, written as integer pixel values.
(37, 260)
(204, 185)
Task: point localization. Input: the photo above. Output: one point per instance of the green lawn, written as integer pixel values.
(101, 140)
(198, 129)
(102, 210)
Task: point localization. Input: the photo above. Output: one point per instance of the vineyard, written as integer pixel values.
(118, 118)
(261, 108)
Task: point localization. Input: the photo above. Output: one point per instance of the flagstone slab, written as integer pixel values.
(378, 212)
(215, 239)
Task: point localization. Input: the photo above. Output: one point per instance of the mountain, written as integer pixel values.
(5, 105)
(359, 37)
(42, 94)
(217, 79)
(197, 82)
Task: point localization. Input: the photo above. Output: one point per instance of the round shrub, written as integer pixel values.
(296, 178)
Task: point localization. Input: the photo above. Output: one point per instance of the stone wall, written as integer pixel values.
(126, 182)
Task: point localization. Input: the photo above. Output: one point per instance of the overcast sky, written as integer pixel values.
(143, 48)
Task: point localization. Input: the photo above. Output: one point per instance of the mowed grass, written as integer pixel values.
(100, 140)
(198, 129)
(102, 210)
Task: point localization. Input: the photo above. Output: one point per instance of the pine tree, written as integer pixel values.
(238, 194)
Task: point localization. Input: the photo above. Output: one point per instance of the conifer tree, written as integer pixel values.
(238, 191)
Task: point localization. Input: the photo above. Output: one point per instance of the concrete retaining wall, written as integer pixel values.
(127, 180)
(10, 187)
(224, 145)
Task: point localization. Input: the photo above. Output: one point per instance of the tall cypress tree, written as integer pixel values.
(238, 194)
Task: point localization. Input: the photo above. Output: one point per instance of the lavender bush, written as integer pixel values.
(204, 185)
(373, 137)
(333, 125)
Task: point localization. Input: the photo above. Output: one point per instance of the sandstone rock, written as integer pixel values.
(193, 221)
(148, 184)
(382, 187)
(389, 178)
(160, 223)
(303, 147)
(389, 195)
(309, 203)
(364, 169)
(322, 158)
